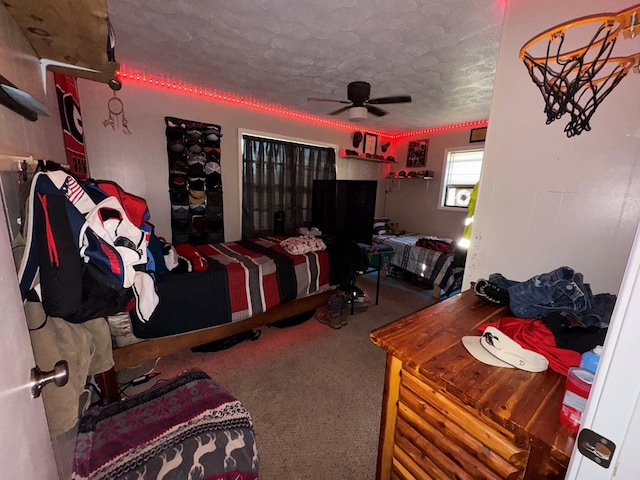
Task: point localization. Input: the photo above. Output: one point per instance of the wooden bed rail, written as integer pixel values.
(137, 353)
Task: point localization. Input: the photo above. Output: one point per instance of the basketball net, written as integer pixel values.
(576, 81)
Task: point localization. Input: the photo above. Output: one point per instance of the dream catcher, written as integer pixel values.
(116, 109)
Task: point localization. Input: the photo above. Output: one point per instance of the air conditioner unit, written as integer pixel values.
(458, 196)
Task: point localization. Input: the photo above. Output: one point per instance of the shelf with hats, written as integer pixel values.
(350, 154)
(411, 175)
(410, 178)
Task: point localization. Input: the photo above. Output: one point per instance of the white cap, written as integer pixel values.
(597, 349)
(497, 349)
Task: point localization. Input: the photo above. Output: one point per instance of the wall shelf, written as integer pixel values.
(409, 178)
(367, 159)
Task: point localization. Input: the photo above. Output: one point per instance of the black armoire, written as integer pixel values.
(344, 209)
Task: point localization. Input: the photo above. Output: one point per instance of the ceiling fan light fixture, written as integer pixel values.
(357, 114)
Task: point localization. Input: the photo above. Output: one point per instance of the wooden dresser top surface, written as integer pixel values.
(429, 340)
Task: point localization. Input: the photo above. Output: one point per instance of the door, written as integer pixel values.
(26, 451)
(612, 408)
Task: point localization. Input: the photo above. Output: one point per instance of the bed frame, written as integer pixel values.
(148, 350)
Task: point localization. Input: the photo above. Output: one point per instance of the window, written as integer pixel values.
(462, 172)
(278, 179)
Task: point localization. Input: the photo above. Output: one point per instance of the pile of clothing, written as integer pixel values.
(303, 244)
(437, 245)
(555, 314)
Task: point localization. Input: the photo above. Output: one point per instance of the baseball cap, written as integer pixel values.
(496, 349)
(357, 138)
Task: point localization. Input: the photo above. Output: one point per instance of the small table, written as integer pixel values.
(377, 255)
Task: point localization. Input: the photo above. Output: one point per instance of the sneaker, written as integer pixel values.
(337, 305)
(344, 311)
(491, 292)
(323, 317)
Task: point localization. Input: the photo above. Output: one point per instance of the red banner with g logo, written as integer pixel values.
(72, 129)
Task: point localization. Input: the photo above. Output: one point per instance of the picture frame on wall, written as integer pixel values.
(478, 135)
(370, 143)
(417, 154)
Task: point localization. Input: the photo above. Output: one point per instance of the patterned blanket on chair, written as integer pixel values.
(188, 428)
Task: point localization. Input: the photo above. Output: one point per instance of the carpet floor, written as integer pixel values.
(314, 392)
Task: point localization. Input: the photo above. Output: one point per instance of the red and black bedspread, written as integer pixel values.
(242, 279)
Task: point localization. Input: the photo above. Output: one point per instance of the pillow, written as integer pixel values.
(196, 262)
(380, 225)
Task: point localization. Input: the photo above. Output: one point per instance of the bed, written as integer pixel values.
(239, 280)
(88, 255)
(247, 284)
(438, 267)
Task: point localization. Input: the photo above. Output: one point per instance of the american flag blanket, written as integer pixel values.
(242, 279)
(435, 266)
(187, 428)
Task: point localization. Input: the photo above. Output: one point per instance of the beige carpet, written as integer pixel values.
(314, 392)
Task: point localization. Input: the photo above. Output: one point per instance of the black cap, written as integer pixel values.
(357, 138)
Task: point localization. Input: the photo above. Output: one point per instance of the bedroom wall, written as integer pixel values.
(413, 203)
(138, 162)
(546, 200)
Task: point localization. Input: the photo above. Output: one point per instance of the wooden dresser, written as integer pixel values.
(445, 415)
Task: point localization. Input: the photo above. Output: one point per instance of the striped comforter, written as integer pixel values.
(435, 266)
(243, 279)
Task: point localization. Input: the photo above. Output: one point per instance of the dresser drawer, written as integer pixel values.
(436, 436)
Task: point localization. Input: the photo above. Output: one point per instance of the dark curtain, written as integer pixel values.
(278, 176)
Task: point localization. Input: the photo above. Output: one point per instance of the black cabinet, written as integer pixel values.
(344, 208)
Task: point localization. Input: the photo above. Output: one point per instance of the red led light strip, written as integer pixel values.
(225, 97)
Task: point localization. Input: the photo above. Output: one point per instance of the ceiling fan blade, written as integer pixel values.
(340, 110)
(394, 99)
(376, 111)
(314, 99)
(26, 100)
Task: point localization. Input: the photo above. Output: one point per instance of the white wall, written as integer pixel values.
(546, 200)
(414, 204)
(138, 162)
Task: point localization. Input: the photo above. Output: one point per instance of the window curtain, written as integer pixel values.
(278, 176)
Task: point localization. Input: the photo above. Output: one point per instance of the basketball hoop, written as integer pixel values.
(577, 80)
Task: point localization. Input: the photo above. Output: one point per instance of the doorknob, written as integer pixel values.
(38, 379)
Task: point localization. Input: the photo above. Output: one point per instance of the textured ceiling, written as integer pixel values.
(441, 52)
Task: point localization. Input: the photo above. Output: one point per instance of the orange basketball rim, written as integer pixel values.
(575, 78)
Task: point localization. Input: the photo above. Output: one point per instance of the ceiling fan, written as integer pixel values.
(359, 102)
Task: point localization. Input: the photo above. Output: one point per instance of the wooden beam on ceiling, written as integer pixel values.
(69, 31)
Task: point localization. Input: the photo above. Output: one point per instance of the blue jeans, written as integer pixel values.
(559, 290)
(600, 315)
